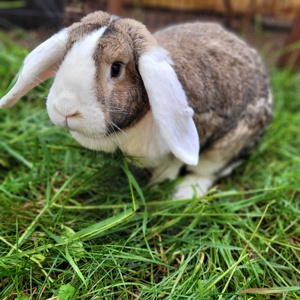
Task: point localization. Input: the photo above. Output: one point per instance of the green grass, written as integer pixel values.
(76, 224)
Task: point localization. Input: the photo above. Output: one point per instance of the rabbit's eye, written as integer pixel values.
(115, 69)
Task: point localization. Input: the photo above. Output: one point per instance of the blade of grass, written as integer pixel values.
(29, 257)
(16, 155)
(98, 228)
(274, 290)
(243, 255)
(34, 223)
(74, 265)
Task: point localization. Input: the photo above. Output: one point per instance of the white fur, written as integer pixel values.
(72, 101)
(113, 18)
(203, 175)
(39, 65)
(192, 185)
(142, 143)
(270, 97)
(149, 142)
(167, 129)
(172, 115)
(168, 169)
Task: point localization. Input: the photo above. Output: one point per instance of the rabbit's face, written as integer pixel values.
(97, 89)
(108, 72)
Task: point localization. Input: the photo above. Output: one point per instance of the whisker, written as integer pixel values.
(119, 129)
(115, 137)
(112, 107)
(115, 111)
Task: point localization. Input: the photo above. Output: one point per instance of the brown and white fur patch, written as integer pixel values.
(154, 96)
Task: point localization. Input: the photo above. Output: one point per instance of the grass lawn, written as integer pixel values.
(76, 224)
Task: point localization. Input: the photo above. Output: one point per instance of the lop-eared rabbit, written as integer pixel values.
(156, 97)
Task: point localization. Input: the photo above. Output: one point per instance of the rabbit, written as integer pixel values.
(156, 97)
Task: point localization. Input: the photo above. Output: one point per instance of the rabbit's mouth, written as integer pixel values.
(97, 141)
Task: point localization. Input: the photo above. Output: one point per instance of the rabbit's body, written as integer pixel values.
(221, 77)
(155, 96)
(227, 86)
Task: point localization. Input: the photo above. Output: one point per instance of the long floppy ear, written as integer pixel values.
(38, 66)
(167, 98)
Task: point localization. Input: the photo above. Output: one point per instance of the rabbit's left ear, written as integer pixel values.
(38, 66)
(167, 98)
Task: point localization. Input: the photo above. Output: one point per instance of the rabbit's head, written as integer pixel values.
(108, 74)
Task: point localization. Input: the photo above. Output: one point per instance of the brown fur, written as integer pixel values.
(123, 41)
(222, 77)
(127, 101)
(224, 81)
(88, 24)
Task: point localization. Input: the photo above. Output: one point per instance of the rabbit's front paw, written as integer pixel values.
(191, 185)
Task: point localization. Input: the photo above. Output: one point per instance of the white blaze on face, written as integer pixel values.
(72, 101)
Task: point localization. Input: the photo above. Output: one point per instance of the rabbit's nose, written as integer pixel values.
(73, 120)
(63, 115)
(64, 110)
(76, 114)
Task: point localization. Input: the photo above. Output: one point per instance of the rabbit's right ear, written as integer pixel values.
(38, 66)
(169, 105)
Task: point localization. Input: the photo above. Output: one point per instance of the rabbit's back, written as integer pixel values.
(224, 79)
